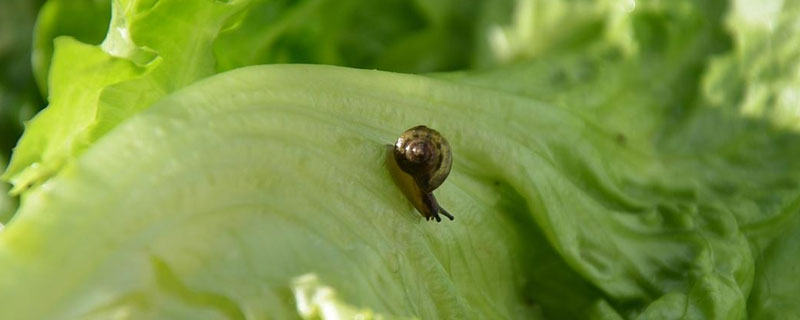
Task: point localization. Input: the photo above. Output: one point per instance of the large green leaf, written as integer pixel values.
(260, 175)
(276, 146)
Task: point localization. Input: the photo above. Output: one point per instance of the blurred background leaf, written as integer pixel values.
(19, 99)
(395, 35)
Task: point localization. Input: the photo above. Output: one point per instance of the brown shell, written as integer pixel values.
(425, 155)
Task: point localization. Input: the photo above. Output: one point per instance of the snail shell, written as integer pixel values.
(425, 155)
(425, 158)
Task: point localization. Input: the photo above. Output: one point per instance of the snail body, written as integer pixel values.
(424, 156)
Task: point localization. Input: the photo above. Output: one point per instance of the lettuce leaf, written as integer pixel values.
(259, 209)
(760, 77)
(96, 87)
(85, 20)
(272, 153)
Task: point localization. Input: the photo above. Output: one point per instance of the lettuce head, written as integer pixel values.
(613, 159)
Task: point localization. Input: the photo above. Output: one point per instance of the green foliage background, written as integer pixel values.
(614, 159)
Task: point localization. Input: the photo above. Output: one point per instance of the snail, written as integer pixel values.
(420, 162)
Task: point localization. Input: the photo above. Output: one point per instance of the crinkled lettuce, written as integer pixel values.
(84, 20)
(612, 160)
(95, 87)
